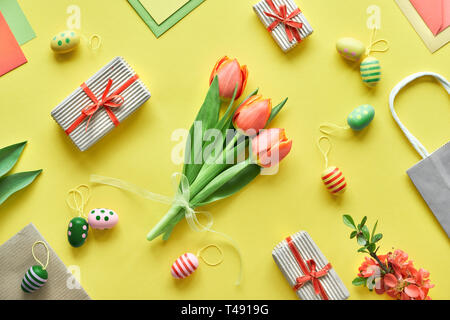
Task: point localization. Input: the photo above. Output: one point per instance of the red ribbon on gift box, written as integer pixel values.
(281, 16)
(106, 102)
(309, 271)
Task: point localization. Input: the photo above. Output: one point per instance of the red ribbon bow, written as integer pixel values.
(281, 16)
(107, 102)
(309, 271)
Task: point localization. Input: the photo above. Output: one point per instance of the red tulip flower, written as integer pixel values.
(270, 146)
(230, 74)
(252, 115)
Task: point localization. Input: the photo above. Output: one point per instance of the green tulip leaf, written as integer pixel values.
(276, 110)
(9, 156)
(15, 182)
(208, 115)
(216, 183)
(348, 221)
(233, 185)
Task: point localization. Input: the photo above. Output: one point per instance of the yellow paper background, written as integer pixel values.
(160, 10)
(321, 87)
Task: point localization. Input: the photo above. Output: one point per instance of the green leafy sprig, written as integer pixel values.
(368, 244)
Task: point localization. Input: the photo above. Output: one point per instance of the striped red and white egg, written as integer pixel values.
(184, 266)
(334, 180)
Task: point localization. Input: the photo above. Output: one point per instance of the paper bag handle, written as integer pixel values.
(415, 143)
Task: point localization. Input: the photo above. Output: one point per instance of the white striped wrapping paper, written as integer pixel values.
(279, 33)
(70, 109)
(332, 284)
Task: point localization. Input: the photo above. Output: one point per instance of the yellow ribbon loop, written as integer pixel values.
(325, 152)
(181, 199)
(333, 128)
(77, 199)
(372, 44)
(48, 254)
(212, 264)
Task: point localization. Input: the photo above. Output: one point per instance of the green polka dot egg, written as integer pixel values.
(77, 232)
(370, 71)
(102, 218)
(65, 41)
(361, 117)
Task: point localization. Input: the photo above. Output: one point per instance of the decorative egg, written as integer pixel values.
(351, 49)
(184, 266)
(65, 41)
(334, 180)
(361, 117)
(34, 278)
(102, 219)
(77, 232)
(370, 71)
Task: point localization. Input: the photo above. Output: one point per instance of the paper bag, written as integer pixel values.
(431, 176)
(16, 258)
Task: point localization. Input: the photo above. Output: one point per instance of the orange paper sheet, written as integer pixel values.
(435, 14)
(11, 56)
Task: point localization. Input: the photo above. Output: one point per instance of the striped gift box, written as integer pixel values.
(279, 33)
(301, 246)
(67, 112)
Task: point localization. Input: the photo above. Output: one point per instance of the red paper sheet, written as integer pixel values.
(435, 14)
(11, 56)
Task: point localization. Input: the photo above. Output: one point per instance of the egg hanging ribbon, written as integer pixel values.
(281, 16)
(106, 102)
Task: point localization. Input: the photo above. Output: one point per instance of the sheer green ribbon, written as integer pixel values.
(181, 199)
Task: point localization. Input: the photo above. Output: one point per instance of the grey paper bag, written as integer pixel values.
(16, 258)
(431, 175)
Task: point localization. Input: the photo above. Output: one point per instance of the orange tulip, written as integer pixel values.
(270, 146)
(230, 73)
(252, 115)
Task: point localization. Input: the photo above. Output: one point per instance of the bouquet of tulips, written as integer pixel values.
(391, 273)
(223, 154)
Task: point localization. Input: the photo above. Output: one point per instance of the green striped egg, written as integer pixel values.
(34, 278)
(370, 71)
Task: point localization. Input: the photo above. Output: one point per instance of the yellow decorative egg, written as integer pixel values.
(370, 71)
(65, 41)
(334, 180)
(350, 48)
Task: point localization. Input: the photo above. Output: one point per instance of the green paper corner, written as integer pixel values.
(159, 29)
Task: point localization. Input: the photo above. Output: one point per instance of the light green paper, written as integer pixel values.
(159, 29)
(17, 21)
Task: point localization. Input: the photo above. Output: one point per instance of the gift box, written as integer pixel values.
(307, 270)
(284, 20)
(101, 103)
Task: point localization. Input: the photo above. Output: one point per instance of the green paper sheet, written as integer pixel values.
(160, 10)
(159, 29)
(17, 21)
